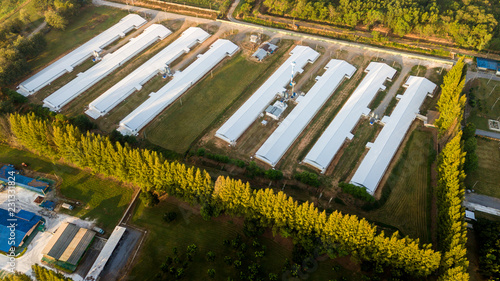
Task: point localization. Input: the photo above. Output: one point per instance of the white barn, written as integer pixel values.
(375, 163)
(135, 80)
(327, 146)
(80, 54)
(280, 141)
(182, 81)
(239, 122)
(108, 64)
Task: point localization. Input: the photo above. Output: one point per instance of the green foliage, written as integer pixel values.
(273, 174)
(452, 232)
(170, 216)
(471, 24)
(149, 198)
(155, 175)
(83, 123)
(451, 102)
(356, 191)
(55, 19)
(308, 178)
(41, 274)
(489, 247)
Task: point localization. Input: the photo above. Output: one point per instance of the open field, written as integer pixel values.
(91, 21)
(485, 180)
(485, 93)
(408, 206)
(102, 199)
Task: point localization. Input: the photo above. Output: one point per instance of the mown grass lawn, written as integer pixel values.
(408, 206)
(486, 179)
(103, 199)
(90, 21)
(486, 105)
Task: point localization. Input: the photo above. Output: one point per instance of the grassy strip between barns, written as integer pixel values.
(407, 207)
(486, 178)
(103, 199)
(181, 124)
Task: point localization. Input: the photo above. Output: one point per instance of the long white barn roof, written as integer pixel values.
(182, 81)
(280, 141)
(372, 168)
(77, 56)
(110, 62)
(250, 110)
(336, 133)
(105, 254)
(134, 81)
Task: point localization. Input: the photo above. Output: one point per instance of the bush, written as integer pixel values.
(83, 123)
(308, 178)
(356, 191)
(149, 198)
(170, 216)
(274, 174)
(253, 170)
(200, 152)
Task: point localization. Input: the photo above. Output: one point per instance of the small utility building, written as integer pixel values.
(487, 64)
(68, 245)
(25, 224)
(8, 174)
(264, 50)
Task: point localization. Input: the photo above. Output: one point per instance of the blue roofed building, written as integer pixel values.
(8, 171)
(487, 64)
(25, 224)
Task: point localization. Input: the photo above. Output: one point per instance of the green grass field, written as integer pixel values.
(352, 153)
(103, 199)
(91, 21)
(407, 207)
(486, 94)
(180, 125)
(486, 178)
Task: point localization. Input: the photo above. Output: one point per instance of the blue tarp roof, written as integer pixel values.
(48, 205)
(488, 64)
(23, 226)
(7, 170)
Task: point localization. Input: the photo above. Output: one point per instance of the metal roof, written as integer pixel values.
(283, 137)
(327, 146)
(69, 243)
(488, 64)
(108, 64)
(134, 81)
(375, 163)
(105, 254)
(182, 81)
(77, 56)
(24, 221)
(239, 122)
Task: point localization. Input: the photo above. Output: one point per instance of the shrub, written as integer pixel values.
(274, 174)
(170, 216)
(308, 178)
(356, 191)
(149, 198)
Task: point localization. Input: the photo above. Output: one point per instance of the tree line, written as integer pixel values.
(470, 23)
(450, 190)
(148, 169)
(41, 274)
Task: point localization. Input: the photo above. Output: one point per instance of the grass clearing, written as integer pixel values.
(485, 96)
(103, 199)
(408, 207)
(486, 178)
(91, 21)
(180, 126)
(352, 153)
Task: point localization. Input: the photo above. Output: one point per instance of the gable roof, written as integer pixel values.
(24, 221)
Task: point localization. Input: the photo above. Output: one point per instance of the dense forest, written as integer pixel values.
(470, 23)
